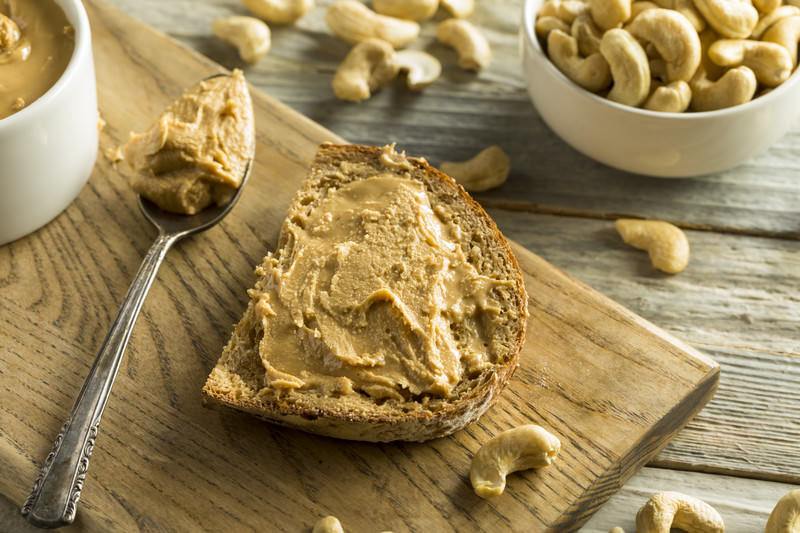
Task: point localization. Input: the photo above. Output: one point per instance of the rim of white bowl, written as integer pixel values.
(82, 42)
(528, 18)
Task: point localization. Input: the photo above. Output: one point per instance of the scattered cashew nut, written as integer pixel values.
(665, 510)
(629, 67)
(472, 47)
(421, 68)
(588, 35)
(666, 244)
(368, 66)
(671, 98)
(770, 62)
(521, 448)
(566, 10)
(785, 32)
(544, 25)
(771, 18)
(592, 73)
(354, 22)
(487, 170)
(785, 516)
(459, 8)
(407, 9)
(329, 524)
(249, 35)
(673, 36)
(734, 19)
(736, 86)
(609, 13)
(279, 11)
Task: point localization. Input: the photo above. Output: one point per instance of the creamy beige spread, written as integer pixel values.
(198, 150)
(372, 294)
(36, 43)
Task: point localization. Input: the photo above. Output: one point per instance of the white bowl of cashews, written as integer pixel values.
(678, 92)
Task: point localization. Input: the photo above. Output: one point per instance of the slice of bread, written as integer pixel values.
(239, 381)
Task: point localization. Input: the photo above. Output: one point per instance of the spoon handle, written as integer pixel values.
(54, 498)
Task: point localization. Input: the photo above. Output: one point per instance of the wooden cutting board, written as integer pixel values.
(613, 387)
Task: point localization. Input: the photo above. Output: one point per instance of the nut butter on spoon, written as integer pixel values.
(198, 153)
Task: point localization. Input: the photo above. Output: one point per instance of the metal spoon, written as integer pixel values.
(53, 501)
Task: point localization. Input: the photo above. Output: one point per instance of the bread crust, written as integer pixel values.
(334, 417)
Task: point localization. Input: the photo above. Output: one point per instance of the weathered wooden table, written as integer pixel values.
(739, 300)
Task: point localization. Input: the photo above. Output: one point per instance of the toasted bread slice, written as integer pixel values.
(241, 379)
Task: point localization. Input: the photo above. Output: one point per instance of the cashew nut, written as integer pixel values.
(672, 98)
(588, 35)
(487, 170)
(329, 524)
(736, 86)
(609, 13)
(368, 66)
(421, 68)
(785, 517)
(521, 448)
(592, 73)
(785, 32)
(707, 38)
(666, 244)
(406, 9)
(467, 40)
(771, 18)
(616, 529)
(279, 11)
(767, 6)
(544, 25)
(566, 10)
(687, 9)
(666, 510)
(354, 22)
(734, 19)
(673, 36)
(250, 36)
(770, 62)
(642, 5)
(629, 67)
(459, 8)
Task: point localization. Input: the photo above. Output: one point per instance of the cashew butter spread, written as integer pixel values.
(372, 293)
(36, 43)
(198, 150)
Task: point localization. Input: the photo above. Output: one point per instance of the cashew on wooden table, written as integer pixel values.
(666, 244)
(354, 22)
(785, 517)
(467, 40)
(279, 11)
(250, 36)
(328, 524)
(521, 448)
(369, 66)
(487, 170)
(666, 510)
(406, 9)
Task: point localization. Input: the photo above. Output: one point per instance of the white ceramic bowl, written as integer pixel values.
(648, 142)
(48, 149)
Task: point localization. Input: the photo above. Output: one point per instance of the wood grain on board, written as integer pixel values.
(611, 385)
(739, 299)
(464, 112)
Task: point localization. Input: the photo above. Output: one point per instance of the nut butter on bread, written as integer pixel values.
(392, 308)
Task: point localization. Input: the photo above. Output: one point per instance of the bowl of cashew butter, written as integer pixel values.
(48, 111)
(690, 90)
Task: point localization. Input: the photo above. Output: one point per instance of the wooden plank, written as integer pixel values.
(743, 309)
(743, 504)
(463, 113)
(164, 462)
